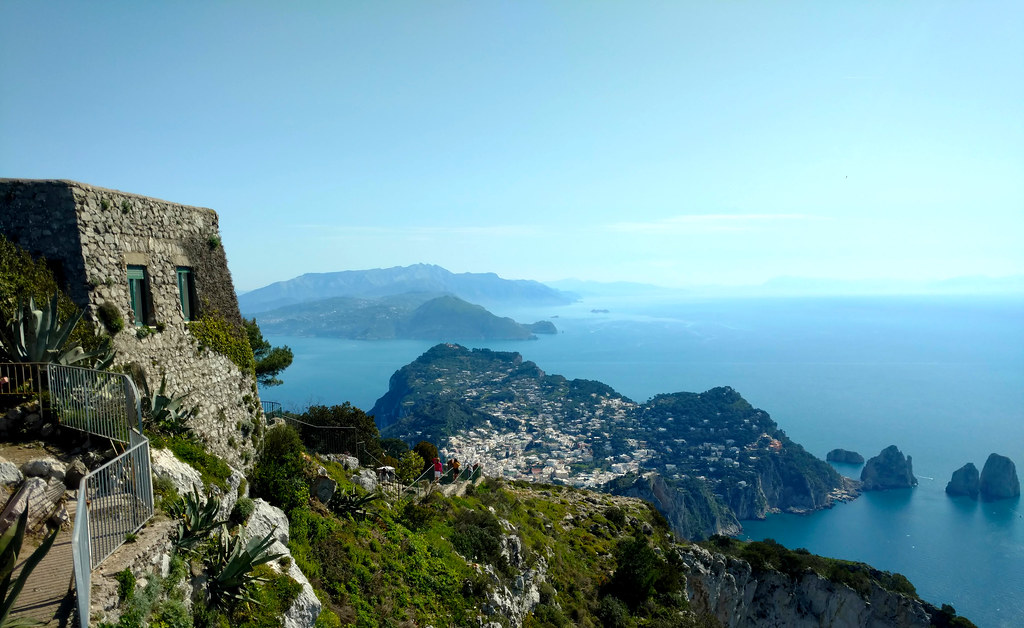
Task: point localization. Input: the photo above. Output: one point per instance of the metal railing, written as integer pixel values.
(119, 496)
(97, 402)
(325, 439)
(114, 500)
(21, 379)
(271, 409)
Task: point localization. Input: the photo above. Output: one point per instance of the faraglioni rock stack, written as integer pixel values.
(999, 479)
(844, 456)
(889, 469)
(965, 482)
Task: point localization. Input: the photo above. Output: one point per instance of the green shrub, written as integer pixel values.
(639, 570)
(614, 614)
(164, 492)
(213, 470)
(280, 473)
(615, 515)
(478, 536)
(111, 317)
(171, 614)
(214, 332)
(125, 585)
(242, 510)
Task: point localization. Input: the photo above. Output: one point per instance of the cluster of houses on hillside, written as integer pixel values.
(549, 448)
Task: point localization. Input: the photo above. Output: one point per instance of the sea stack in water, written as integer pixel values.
(844, 456)
(999, 479)
(964, 482)
(889, 469)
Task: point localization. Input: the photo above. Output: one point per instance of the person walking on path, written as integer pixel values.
(438, 469)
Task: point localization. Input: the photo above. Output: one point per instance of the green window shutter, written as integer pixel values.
(185, 291)
(137, 293)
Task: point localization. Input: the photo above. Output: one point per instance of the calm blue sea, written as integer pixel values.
(942, 378)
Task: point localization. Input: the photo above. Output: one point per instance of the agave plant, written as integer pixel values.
(197, 519)
(232, 564)
(10, 548)
(37, 335)
(351, 505)
(166, 413)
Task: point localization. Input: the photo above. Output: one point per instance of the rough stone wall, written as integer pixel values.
(37, 215)
(95, 233)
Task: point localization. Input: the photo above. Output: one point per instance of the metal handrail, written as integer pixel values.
(96, 402)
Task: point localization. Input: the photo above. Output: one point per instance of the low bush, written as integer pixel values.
(242, 510)
(213, 470)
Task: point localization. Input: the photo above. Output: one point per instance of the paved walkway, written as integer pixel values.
(48, 596)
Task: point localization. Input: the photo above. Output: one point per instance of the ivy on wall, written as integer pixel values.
(216, 333)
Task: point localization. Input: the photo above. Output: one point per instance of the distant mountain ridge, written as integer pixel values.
(414, 315)
(482, 288)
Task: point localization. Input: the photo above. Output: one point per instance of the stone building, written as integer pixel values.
(160, 268)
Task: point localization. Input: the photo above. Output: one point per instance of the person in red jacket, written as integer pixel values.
(438, 470)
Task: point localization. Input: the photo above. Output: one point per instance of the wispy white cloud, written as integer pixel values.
(704, 223)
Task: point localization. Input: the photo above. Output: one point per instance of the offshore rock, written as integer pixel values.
(844, 456)
(965, 481)
(889, 469)
(740, 597)
(999, 479)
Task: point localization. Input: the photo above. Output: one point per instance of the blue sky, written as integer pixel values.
(676, 143)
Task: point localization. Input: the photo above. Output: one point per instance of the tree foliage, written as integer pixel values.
(279, 475)
(427, 451)
(346, 415)
(22, 278)
(270, 361)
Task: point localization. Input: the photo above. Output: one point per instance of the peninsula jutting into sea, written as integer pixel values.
(705, 459)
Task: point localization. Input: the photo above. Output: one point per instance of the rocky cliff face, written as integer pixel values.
(965, 481)
(999, 479)
(689, 507)
(737, 596)
(889, 469)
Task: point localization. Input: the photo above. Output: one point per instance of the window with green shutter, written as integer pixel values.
(187, 292)
(138, 292)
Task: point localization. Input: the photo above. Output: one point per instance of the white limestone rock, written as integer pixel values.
(10, 474)
(306, 607)
(366, 479)
(518, 599)
(229, 498)
(48, 467)
(183, 476)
